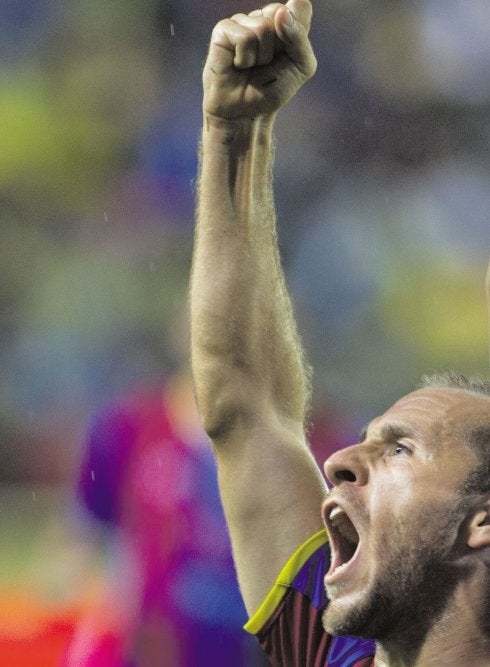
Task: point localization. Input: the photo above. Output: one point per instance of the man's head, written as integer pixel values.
(409, 512)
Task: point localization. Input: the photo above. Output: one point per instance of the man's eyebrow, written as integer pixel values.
(363, 433)
(394, 431)
(389, 432)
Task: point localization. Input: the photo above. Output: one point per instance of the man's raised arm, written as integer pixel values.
(249, 373)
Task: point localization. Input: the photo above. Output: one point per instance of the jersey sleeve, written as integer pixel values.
(288, 625)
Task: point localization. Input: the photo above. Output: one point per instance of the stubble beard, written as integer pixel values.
(414, 583)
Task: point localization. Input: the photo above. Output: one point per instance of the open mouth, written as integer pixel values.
(344, 539)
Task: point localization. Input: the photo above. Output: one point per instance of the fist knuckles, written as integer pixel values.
(252, 36)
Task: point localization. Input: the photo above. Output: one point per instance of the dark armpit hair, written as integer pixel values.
(478, 481)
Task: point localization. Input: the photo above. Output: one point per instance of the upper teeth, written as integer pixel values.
(343, 524)
(335, 512)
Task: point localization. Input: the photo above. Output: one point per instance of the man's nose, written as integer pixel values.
(346, 466)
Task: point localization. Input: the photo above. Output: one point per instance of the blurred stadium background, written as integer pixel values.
(382, 183)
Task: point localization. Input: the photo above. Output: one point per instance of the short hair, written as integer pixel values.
(478, 481)
(453, 380)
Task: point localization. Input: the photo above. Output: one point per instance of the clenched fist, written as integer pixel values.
(257, 61)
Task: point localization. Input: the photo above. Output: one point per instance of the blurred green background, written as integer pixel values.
(382, 185)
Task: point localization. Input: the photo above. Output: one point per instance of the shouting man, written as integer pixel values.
(401, 575)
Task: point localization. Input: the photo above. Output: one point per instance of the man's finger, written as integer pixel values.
(268, 11)
(301, 9)
(240, 42)
(265, 34)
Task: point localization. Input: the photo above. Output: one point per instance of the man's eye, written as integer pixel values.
(401, 449)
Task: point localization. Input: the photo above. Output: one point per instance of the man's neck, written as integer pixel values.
(467, 653)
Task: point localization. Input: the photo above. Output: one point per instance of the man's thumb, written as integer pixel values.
(301, 11)
(285, 22)
(288, 19)
(294, 36)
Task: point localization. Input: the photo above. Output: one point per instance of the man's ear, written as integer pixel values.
(479, 529)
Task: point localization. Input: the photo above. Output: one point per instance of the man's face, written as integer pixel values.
(395, 517)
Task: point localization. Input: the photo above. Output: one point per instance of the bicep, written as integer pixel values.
(272, 490)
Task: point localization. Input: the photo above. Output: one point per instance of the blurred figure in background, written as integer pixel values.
(170, 596)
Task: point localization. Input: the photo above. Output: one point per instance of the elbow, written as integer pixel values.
(221, 417)
(226, 407)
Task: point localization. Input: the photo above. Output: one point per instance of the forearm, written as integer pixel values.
(246, 354)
